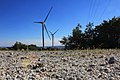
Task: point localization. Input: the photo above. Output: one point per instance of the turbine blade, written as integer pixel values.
(36, 22)
(47, 31)
(39, 22)
(48, 15)
(50, 32)
(56, 31)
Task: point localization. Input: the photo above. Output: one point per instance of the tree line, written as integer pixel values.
(21, 46)
(103, 36)
(24, 47)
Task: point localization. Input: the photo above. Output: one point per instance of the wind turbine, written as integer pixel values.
(44, 27)
(52, 34)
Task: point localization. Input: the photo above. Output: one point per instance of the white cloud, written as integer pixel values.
(37, 42)
(7, 43)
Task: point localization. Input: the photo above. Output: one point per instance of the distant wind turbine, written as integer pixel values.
(44, 26)
(52, 34)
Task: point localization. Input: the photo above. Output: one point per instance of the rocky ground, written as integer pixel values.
(60, 65)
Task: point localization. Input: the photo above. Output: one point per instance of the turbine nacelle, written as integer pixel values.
(54, 32)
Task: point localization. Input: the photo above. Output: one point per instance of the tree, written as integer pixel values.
(19, 46)
(64, 41)
(32, 47)
(89, 35)
(76, 34)
(73, 41)
(108, 33)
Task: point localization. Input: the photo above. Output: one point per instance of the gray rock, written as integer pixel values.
(78, 79)
(71, 78)
(112, 60)
(99, 76)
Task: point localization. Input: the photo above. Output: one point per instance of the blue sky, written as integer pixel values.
(17, 17)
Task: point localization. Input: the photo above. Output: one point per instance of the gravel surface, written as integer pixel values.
(60, 65)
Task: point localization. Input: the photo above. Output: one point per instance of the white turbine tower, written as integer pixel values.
(52, 34)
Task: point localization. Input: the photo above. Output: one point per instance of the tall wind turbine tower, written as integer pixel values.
(44, 27)
(52, 34)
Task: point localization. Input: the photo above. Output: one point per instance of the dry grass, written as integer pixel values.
(30, 58)
(26, 62)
